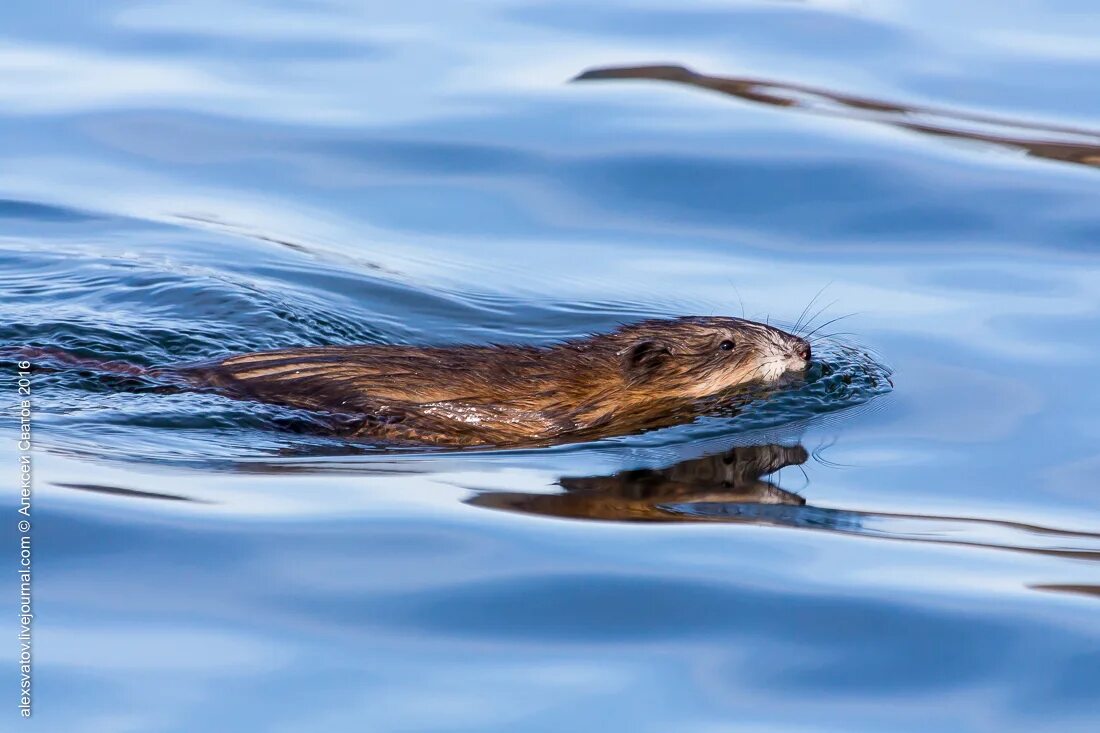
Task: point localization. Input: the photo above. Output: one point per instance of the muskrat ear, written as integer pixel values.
(643, 358)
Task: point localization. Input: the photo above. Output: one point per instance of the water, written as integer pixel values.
(182, 180)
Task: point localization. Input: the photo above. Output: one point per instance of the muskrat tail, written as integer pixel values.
(55, 360)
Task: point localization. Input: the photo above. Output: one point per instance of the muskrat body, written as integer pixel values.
(638, 377)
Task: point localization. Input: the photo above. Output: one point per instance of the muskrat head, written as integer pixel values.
(699, 356)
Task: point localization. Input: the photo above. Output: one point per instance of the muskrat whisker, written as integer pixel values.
(739, 300)
(805, 476)
(832, 464)
(810, 305)
(763, 365)
(830, 321)
(751, 374)
(819, 450)
(821, 310)
(827, 336)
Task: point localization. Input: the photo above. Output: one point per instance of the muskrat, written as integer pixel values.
(641, 376)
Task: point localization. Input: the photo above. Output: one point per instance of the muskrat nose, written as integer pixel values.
(802, 348)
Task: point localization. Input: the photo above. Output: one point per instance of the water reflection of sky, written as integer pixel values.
(428, 170)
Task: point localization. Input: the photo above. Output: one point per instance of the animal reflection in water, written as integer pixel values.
(732, 477)
(1054, 142)
(732, 487)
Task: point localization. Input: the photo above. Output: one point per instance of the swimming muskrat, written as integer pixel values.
(641, 376)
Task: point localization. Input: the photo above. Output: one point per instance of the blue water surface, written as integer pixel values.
(182, 180)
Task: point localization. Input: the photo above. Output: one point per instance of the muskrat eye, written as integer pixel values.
(726, 345)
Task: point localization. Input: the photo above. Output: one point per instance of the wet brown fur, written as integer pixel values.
(638, 377)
